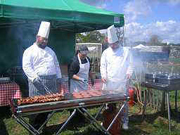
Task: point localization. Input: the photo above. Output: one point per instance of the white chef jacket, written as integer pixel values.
(115, 65)
(40, 62)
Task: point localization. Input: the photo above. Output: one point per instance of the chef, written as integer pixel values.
(41, 67)
(79, 73)
(79, 70)
(116, 68)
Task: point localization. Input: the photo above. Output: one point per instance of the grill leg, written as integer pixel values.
(27, 126)
(120, 110)
(92, 119)
(48, 118)
(100, 110)
(59, 131)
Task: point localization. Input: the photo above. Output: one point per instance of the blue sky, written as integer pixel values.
(145, 18)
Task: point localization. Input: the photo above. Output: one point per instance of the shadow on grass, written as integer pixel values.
(150, 118)
(175, 116)
(4, 114)
(85, 128)
(78, 129)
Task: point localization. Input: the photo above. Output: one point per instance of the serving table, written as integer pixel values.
(9, 90)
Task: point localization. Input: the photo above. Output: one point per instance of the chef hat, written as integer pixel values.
(44, 29)
(112, 36)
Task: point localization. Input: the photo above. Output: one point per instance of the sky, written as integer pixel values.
(144, 18)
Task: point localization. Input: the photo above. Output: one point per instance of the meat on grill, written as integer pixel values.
(87, 94)
(40, 99)
(59, 97)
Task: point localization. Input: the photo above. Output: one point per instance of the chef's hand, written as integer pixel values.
(37, 80)
(82, 80)
(103, 80)
(38, 83)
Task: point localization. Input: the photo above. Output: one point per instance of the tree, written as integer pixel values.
(155, 40)
(91, 37)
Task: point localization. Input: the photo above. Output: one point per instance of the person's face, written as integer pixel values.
(83, 55)
(42, 42)
(115, 45)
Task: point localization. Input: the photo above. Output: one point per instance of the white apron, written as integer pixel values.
(76, 85)
(117, 69)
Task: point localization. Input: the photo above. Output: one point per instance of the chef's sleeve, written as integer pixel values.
(58, 69)
(28, 65)
(130, 64)
(73, 68)
(103, 66)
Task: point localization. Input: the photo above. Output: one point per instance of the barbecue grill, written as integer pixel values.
(78, 102)
(163, 79)
(164, 83)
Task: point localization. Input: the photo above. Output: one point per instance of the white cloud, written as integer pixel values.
(137, 8)
(168, 31)
(97, 3)
(174, 2)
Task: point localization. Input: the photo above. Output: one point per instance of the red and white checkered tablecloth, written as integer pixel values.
(9, 91)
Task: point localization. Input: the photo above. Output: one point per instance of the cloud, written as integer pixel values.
(137, 8)
(168, 31)
(97, 3)
(174, 2)
(142, 8)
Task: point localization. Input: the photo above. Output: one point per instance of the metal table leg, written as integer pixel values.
(145, 103)
(169, 112)
(176, 108)
(163, 102)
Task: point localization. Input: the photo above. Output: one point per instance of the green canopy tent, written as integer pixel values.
(71, 15)
(20, 19)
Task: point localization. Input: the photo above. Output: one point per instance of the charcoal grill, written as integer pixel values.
(20, 111)
(165, 80)
(164, 83)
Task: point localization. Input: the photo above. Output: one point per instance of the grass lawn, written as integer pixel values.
(154, 123)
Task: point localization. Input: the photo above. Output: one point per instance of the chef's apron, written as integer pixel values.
(48, 86)
(116, 78)
(76, 85)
